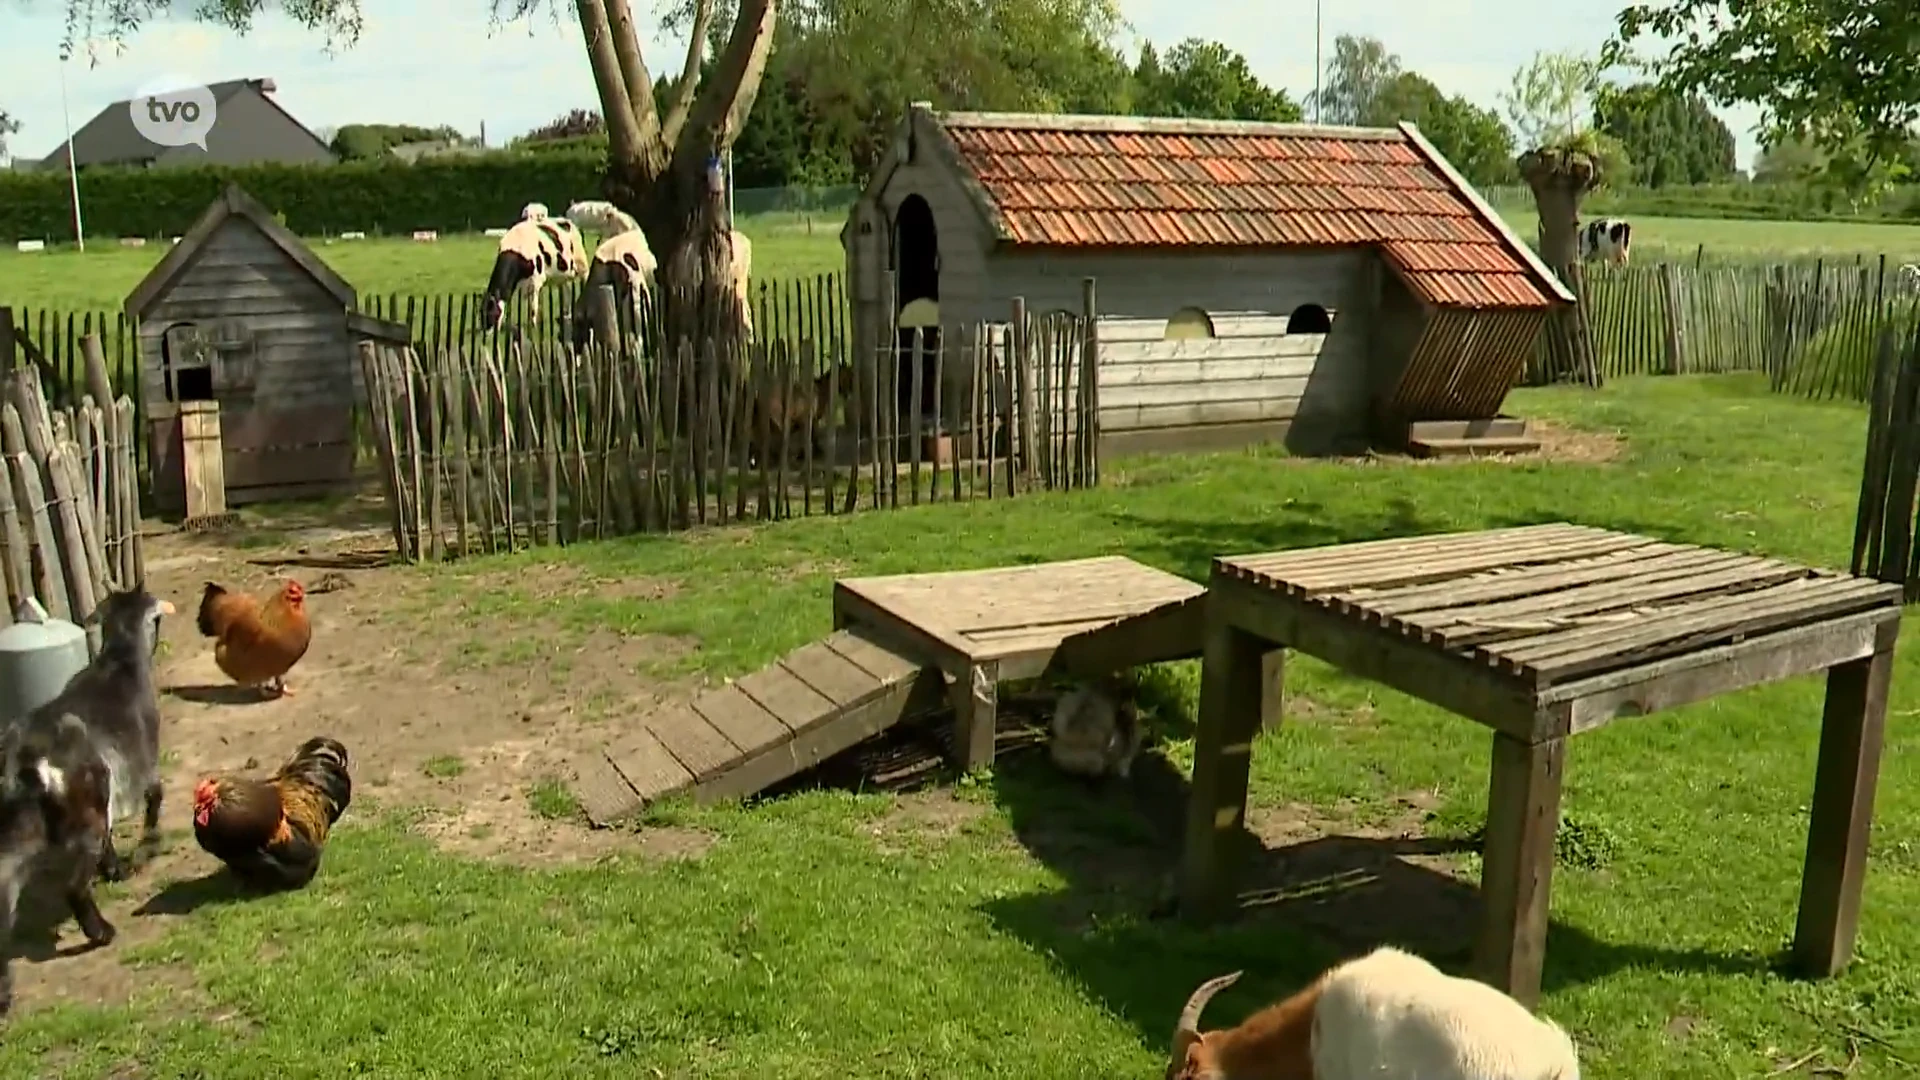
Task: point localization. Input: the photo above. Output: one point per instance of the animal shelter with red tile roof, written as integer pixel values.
(1328, 287)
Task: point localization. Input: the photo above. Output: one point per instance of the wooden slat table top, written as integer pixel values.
(1546, 604)
(1003, 610)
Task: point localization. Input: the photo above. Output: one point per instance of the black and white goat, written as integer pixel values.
(625, 262)
(73, 767)
(533, 251)
(1606, 240)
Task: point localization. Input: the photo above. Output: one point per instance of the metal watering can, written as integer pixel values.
(38, 655)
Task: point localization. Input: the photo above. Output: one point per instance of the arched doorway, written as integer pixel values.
(916, 266)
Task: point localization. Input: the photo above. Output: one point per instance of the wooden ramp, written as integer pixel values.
(734, 740)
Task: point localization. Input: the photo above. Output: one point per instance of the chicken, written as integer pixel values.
(257, 642)
(271, 832)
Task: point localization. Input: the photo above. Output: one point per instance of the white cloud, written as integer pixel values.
(436, 62)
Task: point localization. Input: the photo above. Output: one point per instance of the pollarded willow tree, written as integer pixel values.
(659, 150)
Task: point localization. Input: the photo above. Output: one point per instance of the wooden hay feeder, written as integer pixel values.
(242, 314)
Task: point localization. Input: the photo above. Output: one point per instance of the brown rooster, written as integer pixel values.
(256, 643)
(271, 832)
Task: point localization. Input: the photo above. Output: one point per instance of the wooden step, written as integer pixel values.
(1495, 427)
(1432, 448)
(734, 740)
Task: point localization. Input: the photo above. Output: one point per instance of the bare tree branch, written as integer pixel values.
(722, 106)
(689, 73)
(626, 46)
(626, 141)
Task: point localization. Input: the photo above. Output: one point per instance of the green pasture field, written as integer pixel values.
(1658, 239)
(1006, 925)
(787, 246)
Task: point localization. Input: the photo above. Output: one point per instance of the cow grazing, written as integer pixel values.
(625, 262)
(532, 252)
(1606, 240)
(602, 217)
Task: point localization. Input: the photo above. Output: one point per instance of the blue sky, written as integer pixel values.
(436, 62)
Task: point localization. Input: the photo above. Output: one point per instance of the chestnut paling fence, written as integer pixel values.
(491, 443)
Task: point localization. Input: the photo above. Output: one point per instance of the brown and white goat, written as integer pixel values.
(532, 252)
(73, 767)
(1388, 1015)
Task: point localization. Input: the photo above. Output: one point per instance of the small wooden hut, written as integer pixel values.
(1325, 286)
(242, 313)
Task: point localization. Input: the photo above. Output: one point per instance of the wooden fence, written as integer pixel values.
(1884, 539)
(489, 447)
(1813, 329)
(69, 499)
(49, 340)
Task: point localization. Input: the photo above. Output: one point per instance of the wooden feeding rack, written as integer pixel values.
(1541, 633)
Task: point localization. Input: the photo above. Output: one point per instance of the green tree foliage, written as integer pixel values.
(1838, 73)
(1473, 139)
(1206, 79)
(1551, 97)
(359, 142)
(1360, 70)
(8, 126)
(1671, 138)
(1788, 161)
(573, 124)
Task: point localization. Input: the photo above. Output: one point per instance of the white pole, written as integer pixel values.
(1316, 61)
(73, 171)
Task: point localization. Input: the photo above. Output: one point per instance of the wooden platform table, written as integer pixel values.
(1541, 633)
(984, 627)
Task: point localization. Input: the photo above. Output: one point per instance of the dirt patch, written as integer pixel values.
(933, 813)
(505, 827)
(1571, 445)
(455, 695)
(1365, 881)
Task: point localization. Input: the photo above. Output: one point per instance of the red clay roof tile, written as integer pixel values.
(1117, 184)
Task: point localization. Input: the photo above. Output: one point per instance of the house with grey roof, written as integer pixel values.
(249, 128)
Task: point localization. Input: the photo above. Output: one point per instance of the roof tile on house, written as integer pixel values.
(1114, 181)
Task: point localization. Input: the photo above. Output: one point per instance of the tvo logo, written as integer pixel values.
(174, 116)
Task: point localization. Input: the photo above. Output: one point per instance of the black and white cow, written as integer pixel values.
(1606, 240)
(532, 251)
(625, 262)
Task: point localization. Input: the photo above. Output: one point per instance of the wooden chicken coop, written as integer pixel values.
(243, 314)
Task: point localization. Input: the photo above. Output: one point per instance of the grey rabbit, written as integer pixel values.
(1096, 732)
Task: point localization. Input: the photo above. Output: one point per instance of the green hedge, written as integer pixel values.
(452, 194)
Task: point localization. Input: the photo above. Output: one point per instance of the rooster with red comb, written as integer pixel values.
(271, 831)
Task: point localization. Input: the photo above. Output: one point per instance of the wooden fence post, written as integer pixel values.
(1088, 421)
(1023, 388)
(1676, 338)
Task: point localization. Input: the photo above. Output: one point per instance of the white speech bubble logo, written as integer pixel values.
(173, 115)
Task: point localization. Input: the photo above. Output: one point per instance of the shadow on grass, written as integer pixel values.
(1305, 902)
(1188, 546)
(186, 897)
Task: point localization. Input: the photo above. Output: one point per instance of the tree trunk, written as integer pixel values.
(1559, 180)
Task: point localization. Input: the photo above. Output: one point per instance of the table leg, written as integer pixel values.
(1523, 813)
(1273, 671)
(1851, 730)
(1231, 681)
(976, 708)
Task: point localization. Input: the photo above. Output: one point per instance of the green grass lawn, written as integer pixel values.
(788, 246)
(827, 934)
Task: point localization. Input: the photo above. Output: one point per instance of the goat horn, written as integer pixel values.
(1190, 1016)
